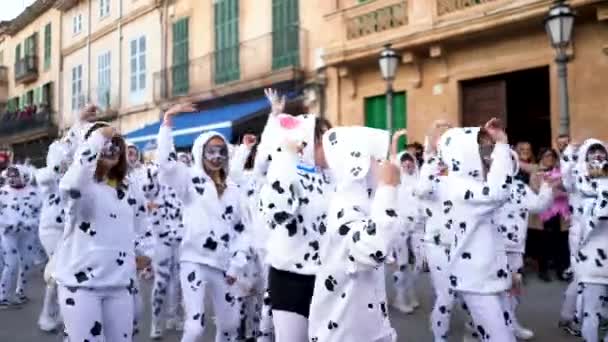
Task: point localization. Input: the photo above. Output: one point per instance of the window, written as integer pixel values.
(104, 8)
(17, 53)
(77, 98)
(285, 34)
(375, 112)
(30, 46)
(104, 69)
(180, 57)
(1, 57)
(226, 41)
(137, 53)
(77, 24)
(46, 94)
(47, 46)
(37, 96)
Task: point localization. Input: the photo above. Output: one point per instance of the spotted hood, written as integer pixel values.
(459, 150)
(586, 185)
(199, 146)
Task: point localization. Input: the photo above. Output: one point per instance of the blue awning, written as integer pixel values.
(186, 127)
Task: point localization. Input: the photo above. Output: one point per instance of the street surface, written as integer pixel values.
(539, 311)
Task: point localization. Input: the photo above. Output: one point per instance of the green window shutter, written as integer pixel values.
(17, 53)
(375, 113)
(37, 96)
(180, 57)
(226, 57)
(285, 33)
(47, 46)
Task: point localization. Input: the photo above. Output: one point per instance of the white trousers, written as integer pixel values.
(290, 326)
(196, 280)
(594, 298)
(509, 300)
(97, 315)
(50, 304)
(166, 289)
(492, 323)
(18, 263)
(437, 259)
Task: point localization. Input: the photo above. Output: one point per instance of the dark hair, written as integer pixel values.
(250, 163)
(563, 136)
(415, 145)
(546, 150)
(596, 147)
(405, 157)
(94, 127)
(119, 171)
(322, 125)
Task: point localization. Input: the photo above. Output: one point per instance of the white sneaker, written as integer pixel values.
(523, 333)
(47, 323)
(156, 333)
(175, 324)
(402, 307)
(414, 303)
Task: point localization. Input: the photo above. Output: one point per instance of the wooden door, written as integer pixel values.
(482, 101)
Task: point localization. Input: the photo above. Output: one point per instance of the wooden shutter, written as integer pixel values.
(180, 57)
(226, 41)
(285, 33)
(47, 46)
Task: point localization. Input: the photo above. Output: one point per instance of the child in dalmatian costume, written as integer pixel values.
(572, 296)
(104, 218)
(294, 204)
(52, 222)
(591, 267)
(213, 251)
(166, 223)
(349, 301)
(20, 212)
(512, 221)
(478, 180)
(412, 229)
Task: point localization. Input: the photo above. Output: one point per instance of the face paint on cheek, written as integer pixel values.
(217, 155)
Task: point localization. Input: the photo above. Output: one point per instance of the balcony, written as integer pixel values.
(272, 58)
(26, 69)
(445, 7)
(26, 124)
(375, 18)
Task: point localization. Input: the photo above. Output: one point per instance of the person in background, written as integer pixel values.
(562, 141)
(416, 149)
(527, 162)
(554, 246)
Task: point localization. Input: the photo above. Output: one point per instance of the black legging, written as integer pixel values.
(553, 246)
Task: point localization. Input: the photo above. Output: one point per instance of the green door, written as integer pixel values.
(180, 57)
(226, 41)
(285, 34)
(375, 113)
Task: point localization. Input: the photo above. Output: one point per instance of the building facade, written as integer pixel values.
(466, 61)
(29, 70)
(110, 50)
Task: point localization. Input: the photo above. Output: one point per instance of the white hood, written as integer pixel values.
(586, 185)
(459, 150)
(199, 146)
(350, 150)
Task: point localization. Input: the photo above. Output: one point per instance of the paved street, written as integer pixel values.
(539, 311)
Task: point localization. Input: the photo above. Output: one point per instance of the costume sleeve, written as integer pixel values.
(537, 203)
(80, 175)
(172, 172)
(368, 238)
(492, 193)
(278, 198)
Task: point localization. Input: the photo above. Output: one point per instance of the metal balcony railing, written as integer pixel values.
(26, 69)
(21, 122)
(250, 60)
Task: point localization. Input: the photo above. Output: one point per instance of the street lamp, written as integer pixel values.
(559, 23)
(389, 62)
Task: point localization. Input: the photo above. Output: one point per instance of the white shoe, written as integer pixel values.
(414, 303)
(402, 307)
(156, 333)
(47, 323)
(175, 324)
(523, 333)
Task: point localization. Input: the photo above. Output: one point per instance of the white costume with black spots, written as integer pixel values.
(213, 245)
(52, 221)
(20, 207)
(166, 224)
(512, 222)
(97, 254)
(477, 268)
(591, 257)
(294, 204)
(349, 302)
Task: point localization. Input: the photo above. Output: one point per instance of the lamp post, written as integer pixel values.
(389, 62)
(559, 23)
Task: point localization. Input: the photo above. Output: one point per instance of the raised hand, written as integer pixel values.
(277, 104)
(388, 174)
(400, 133)
(249, 140)
(88, 113)
(435, 132)
(186, 107)
(496, 131)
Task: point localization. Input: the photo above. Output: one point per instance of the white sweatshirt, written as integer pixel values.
(294, 203)
(478, 263)
(213, 233)
(349, 301)
(103, 224)
(19, 208)
(436, 205)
